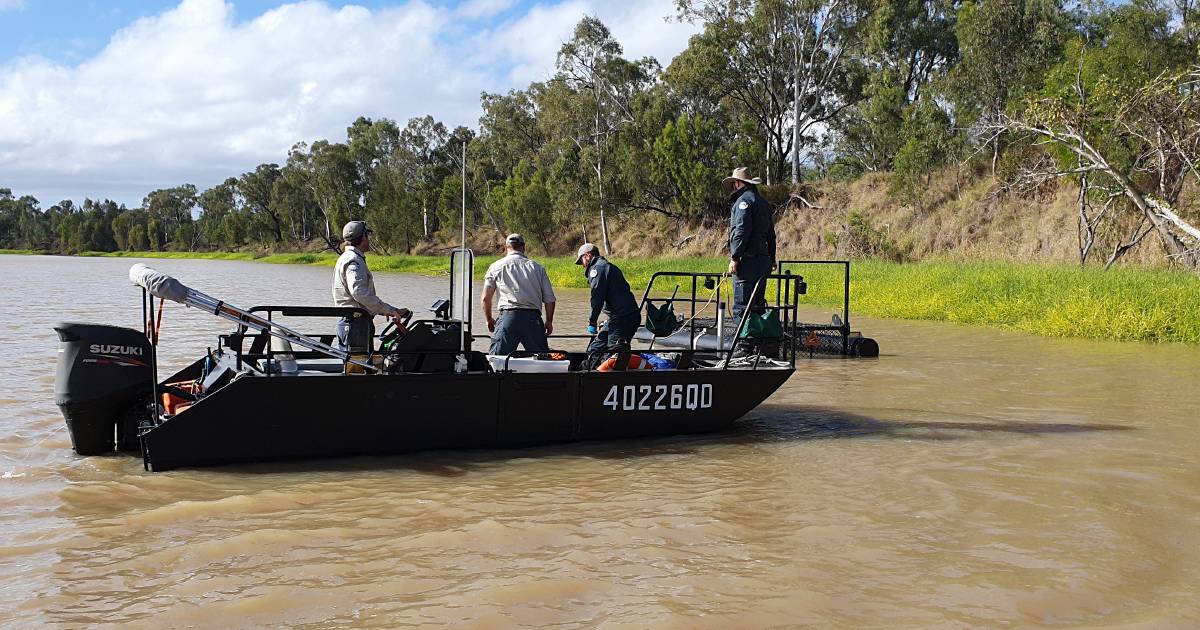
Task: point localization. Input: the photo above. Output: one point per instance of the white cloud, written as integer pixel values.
(475, 9)
(192, 95)
(11, 5)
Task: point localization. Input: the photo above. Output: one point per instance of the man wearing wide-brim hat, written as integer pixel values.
(751, 239)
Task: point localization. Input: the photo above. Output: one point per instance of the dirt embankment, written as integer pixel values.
(957, 217)
(954, 219)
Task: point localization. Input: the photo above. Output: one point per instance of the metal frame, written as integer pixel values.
(787, 291)
(844, 329)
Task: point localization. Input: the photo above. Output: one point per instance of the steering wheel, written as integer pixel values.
(393, 333)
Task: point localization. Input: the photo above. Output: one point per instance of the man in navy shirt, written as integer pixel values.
(751, 240)
(610, 294)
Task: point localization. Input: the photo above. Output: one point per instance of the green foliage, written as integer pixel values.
(689, 154)
(1005, 46)
(860, 239)
(928, 139)
(524, 202)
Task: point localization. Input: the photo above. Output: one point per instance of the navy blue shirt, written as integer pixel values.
(751, 225)
(610, 291)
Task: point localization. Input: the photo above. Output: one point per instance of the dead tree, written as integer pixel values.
(1163, 121)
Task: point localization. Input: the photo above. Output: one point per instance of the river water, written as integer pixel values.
(967, 477)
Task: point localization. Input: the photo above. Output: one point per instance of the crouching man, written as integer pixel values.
(610, 294)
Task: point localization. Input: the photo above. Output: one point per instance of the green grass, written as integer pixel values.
(1125, 303)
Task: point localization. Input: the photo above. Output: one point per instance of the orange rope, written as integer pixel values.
(158, 326)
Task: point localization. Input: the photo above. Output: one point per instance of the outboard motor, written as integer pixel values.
(103, 383)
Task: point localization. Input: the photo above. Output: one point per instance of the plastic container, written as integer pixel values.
(528, 364)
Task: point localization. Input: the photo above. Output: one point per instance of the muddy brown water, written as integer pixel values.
(968, 477)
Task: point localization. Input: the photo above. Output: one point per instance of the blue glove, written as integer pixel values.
(591, 329)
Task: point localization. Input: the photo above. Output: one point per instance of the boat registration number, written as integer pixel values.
(659, 397)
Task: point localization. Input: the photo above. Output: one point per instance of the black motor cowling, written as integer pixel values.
(103, 386)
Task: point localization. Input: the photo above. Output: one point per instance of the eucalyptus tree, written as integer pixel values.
(256, 188)
(781, 63)
(423, 143)
(594, 92)
(326, 172)
(1005, 47)
(909, 47)
(451, 192)
(171, 210)
(376, 150)
(510, 130)
(221, 224)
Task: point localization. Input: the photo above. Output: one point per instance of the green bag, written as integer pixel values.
(764, 325)
(661, 320)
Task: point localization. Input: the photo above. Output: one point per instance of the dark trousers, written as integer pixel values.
(354, 334)
(749, 272)
(519, 326)
(616, 332)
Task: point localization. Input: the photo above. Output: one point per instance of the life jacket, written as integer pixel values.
(636, 362)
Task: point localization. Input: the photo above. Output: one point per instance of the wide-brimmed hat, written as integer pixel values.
(740, 174)
(354, 230)
(586, 248)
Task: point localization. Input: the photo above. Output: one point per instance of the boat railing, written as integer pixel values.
(788, 288)
(264, 358)
(843, 328)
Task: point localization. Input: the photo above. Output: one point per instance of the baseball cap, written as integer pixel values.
(515, 239)
(354, 230)
(587, 248)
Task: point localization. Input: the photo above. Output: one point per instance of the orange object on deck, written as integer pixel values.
(174, 403)
(636, 362)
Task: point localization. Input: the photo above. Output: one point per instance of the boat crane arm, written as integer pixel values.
(165, 287)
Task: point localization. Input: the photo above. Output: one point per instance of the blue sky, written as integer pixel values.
(115, 99)
(72, 30)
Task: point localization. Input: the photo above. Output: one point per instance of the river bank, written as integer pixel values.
(1126, 303)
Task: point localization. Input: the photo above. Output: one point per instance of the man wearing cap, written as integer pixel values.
(524, 288)
(610, 293)
(354, 286)
(751, 239)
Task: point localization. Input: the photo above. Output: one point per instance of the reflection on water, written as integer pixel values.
(968, 477)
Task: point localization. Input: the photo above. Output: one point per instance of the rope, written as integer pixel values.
(158, 326)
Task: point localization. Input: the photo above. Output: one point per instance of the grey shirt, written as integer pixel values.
(353, 284)
(519, 282)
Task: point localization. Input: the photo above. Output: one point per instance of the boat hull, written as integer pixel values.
(256, 419)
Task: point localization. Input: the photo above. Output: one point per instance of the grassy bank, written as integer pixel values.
(1131, 303)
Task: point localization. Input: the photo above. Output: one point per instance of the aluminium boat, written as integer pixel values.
(267, 392)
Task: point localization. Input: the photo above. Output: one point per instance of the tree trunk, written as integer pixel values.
(795, 115)
(1087, 235)
(1175, 247)
(604, 231)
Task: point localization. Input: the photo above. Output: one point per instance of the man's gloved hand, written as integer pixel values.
(591, 329)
